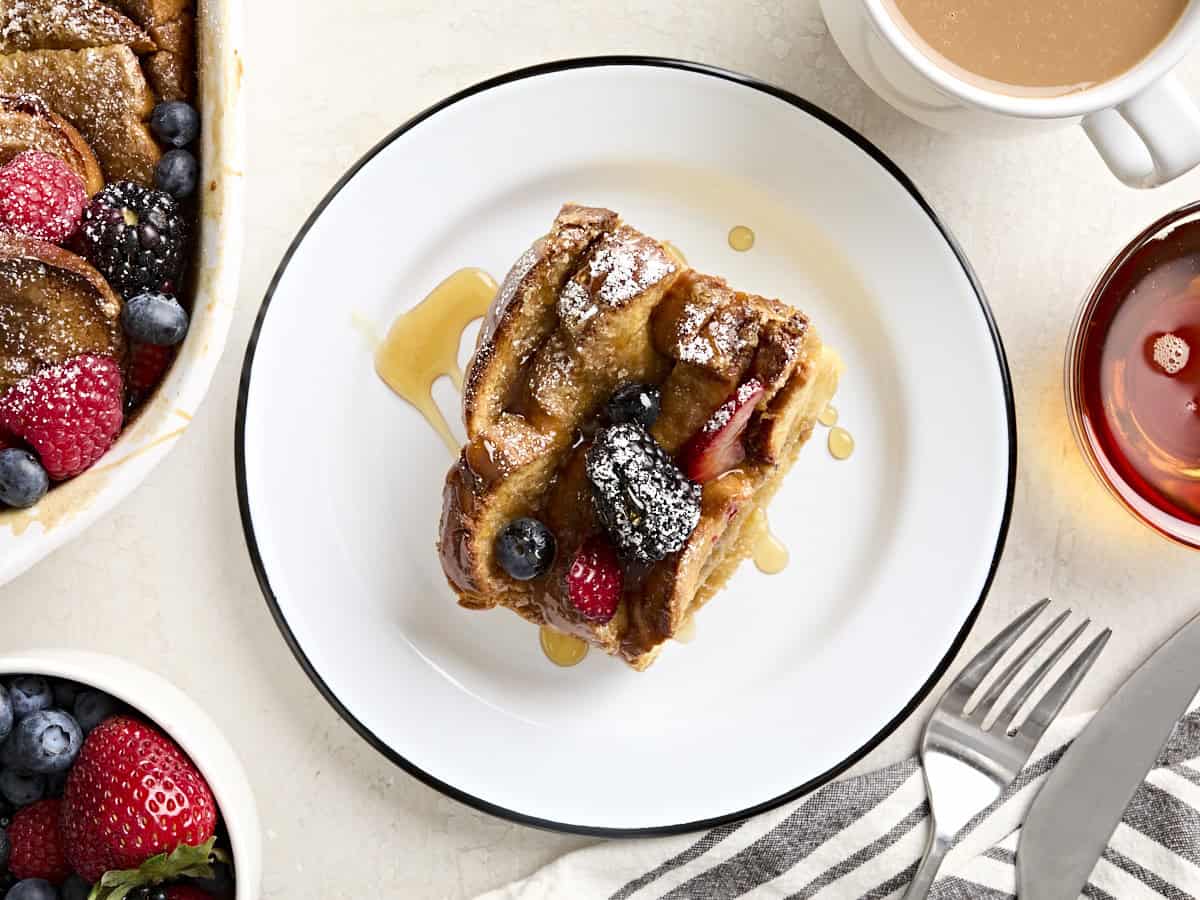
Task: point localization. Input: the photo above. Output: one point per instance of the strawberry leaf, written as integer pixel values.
(183, 861)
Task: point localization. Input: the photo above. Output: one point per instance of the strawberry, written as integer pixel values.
(717, 447)
(594, 580)
(36, 843)
(131, 795)
(69, 413)
(186, 892)
(41, 197)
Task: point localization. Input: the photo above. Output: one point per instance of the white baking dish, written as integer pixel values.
(28, 535)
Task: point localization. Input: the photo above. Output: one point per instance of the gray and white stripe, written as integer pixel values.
(862, 837)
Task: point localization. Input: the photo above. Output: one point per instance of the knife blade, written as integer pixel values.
(1080, 805)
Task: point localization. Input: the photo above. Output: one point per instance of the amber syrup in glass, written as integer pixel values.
(1143, 419)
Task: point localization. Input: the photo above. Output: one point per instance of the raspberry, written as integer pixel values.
(594, 580)
(41, 197)
(69, 413)
(134, 235)
(147, 365)
(641, 498)
(37, 847)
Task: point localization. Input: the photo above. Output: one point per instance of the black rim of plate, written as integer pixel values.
(549, 68)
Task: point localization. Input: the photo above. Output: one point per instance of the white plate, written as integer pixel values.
(792, 677)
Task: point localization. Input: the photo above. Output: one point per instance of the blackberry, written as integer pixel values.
(134, 235)
(647, 505)
(639, 403)
(146, 892)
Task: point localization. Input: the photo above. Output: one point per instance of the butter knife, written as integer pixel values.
(1082, 802)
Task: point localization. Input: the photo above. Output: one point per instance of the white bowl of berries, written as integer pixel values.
(120, 245)
(113, 784)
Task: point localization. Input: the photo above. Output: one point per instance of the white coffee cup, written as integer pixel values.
(1146, 127)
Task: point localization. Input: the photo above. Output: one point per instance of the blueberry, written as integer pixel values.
(32, 889)
(93, 707)
(6, 713)
(175, 122)
(43, 743)
(5, 849)
(74, 888)
(23, 481)
(639, 403)
(65, 692)
(19, 789)
(177, 173)
(525, 548)
(154, 318)
(29, 693)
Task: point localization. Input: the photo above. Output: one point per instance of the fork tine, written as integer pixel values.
(1060, 692)
(1022, 694)
(1006, 677)
(977, 669)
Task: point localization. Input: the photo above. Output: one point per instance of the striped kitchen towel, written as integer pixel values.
(862, 837)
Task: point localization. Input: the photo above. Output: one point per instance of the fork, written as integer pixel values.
(968, 766)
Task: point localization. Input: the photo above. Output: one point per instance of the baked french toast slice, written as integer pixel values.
(59, 25)
(28, 123)
(660, 507)
(171, 25)
(99, 90)
(53, 306)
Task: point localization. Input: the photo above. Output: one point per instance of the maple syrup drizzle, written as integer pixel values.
(422, 345)
(841, 443)
(828, 416)
(741, 238)
(769, 553)
(562, 649)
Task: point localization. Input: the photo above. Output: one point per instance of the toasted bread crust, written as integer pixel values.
(53, 306)
(102, 92)
(55, 25)
(171, 24)
(28, 123)
(594, 305)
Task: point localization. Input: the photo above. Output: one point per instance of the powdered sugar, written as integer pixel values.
(625, 265)
(64, 25)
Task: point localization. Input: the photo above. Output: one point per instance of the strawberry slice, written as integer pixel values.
(717, 447)
(594, 580)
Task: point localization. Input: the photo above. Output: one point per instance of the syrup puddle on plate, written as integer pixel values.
(562, 649)
(422, 345)
(741, 238)
(841, 443)
(769, 553)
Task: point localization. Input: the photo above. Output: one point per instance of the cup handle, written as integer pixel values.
(1151, 138)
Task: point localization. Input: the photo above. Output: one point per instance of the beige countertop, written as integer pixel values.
(165, 579)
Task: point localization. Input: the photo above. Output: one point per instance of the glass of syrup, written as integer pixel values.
(1133, 376)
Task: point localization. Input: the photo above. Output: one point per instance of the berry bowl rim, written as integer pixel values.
(182, 719)
(27, 536)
